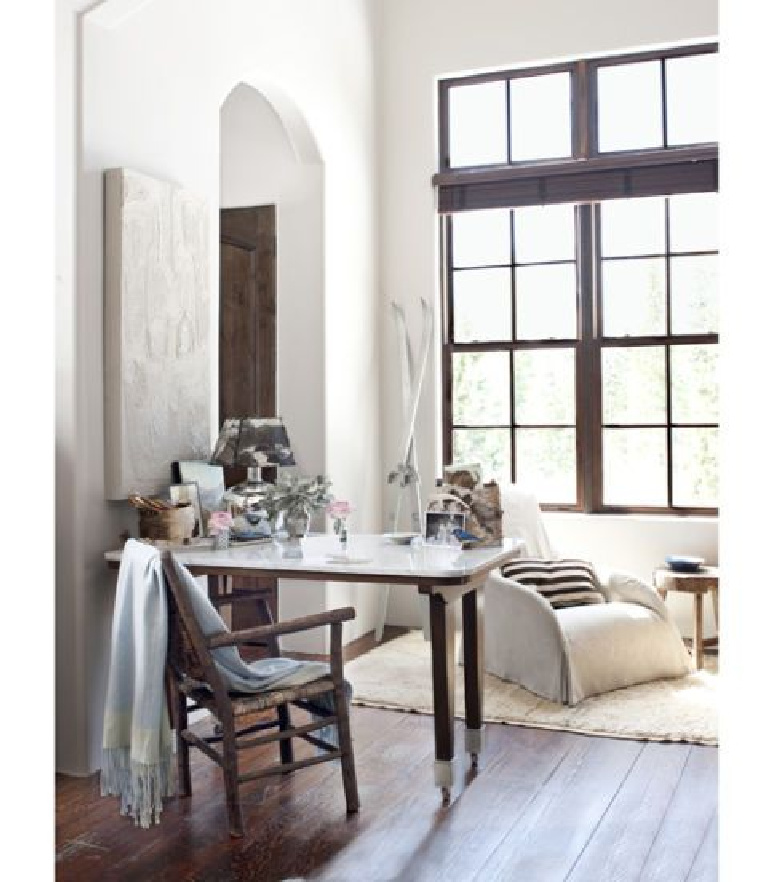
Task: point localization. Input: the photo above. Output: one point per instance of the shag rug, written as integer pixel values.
(397, 675)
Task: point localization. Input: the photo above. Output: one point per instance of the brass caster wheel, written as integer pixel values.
(445, 796)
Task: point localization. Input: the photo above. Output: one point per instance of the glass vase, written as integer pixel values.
(296, 522)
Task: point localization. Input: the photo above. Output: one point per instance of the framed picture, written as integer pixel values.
(209, 479)
(189, 492)
(436, 519)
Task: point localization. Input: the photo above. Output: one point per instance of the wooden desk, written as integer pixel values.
(445, 575)
(698, 584)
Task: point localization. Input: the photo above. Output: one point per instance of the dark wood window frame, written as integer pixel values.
(588, 177)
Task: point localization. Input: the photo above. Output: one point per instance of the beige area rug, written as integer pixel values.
(397, 675)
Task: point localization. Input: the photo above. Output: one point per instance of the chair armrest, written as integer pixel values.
(292, 626)
(624, 586)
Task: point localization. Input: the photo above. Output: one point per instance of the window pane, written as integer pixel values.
(544, 387)
(629, 99)
(694, 295)
(546, 305)
(477, 124)
(490, 447)
(694, 222)
(546, 463)
(633, 297)
(695, 455)
(694, 386)
(540, 117)
(481, 305)
(544, 232)
(634, 385)
(634, 462)
(481, 389)
(633, 226)
(481, 238)
(691, 90)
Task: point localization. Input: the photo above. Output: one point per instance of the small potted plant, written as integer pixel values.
(296, 498)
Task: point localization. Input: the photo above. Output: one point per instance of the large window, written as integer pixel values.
(580, 251)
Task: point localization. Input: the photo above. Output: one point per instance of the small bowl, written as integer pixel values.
(681, 563)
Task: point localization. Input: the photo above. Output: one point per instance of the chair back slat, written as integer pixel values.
(188, 653)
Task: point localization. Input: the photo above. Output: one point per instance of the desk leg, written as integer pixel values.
(474, 670)
(442, 622)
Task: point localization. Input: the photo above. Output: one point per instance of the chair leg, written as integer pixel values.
(348, 772)
(182, 748)
(342, 712)
(179, 721)
(231, 784)
(286, 744)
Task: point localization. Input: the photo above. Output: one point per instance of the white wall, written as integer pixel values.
(417, 44)
(150, 94)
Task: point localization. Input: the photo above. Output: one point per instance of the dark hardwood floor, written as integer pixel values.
(545, 807)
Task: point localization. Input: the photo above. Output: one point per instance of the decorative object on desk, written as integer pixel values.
(189, 493)
(681, 563)
(253, 442)
(156, 331)
(150, 503)
(174, 523)
(482, 507)
(339, 510)
(440, 525)
(400, 538)
(209, 479)
(295, 498)
(220, 527)
(466, 475)
(244, 531)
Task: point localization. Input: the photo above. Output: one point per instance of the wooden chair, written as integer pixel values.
(192, 674)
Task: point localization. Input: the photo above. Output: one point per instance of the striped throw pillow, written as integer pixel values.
(562, 582)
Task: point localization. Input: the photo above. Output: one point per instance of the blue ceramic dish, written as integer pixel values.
(241, 535)
(681, 563)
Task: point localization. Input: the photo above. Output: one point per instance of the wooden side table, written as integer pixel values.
(698, 584)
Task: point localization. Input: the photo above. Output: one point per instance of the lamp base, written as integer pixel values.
(251, 491)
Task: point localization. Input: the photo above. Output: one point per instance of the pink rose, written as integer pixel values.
(219, 520)
(339, 508)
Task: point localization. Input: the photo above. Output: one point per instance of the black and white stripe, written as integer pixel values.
(562, 582)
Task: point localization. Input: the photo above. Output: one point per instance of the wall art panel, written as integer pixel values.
(156, 331)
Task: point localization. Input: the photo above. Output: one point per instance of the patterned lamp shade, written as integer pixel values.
(255, 442)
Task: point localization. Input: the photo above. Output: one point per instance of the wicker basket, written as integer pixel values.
(175, 524)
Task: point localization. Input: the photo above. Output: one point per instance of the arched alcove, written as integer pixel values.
(268, 156)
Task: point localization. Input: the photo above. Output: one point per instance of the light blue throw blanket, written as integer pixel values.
(137, 761)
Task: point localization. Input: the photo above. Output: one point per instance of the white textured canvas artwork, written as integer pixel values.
(156, 331)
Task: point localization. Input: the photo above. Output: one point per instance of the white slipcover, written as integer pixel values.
(567, 655)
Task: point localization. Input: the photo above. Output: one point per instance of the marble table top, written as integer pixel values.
(366, 556)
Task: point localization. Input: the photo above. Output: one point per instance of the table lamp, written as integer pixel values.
(256, 443)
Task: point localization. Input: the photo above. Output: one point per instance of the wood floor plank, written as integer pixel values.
(558, 822)
(543, 803)
(625, 835)
(706, 866)
(462, 837)
(686, 824)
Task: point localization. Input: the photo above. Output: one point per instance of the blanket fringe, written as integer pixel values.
(140, 786)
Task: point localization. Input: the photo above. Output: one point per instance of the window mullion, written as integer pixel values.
(588, 439)
(512, 352)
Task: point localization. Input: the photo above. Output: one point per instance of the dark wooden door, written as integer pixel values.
(247, 336)
(247, 349)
